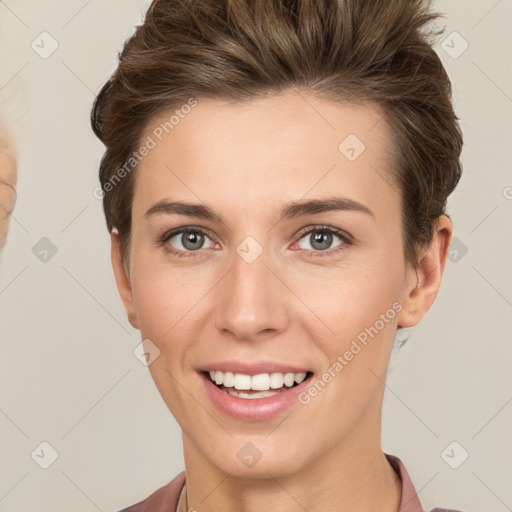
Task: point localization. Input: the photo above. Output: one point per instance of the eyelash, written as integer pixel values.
(345, 238)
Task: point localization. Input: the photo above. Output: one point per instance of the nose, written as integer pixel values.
(253, 302)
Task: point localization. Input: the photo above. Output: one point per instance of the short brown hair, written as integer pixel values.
(360, 51)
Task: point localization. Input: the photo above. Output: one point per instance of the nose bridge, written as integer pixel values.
(252, 297)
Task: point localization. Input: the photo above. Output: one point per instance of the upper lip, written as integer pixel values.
(253, 368)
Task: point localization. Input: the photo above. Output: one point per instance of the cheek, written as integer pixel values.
(167, 300)
(360, 306)
(164, 305)
(351, 298)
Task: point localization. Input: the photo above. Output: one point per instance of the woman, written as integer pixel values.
(275, 182)
(7, 184)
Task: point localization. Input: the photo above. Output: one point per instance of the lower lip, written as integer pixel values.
(255, 409)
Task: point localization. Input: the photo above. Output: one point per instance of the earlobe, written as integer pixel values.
(428, 275)
(123, 282)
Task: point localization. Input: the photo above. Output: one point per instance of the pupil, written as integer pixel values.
(189, 240)
(326, 238)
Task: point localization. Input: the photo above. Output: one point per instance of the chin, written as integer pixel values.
(257, 458)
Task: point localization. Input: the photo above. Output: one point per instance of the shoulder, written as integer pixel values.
(410, 501)
(164, 498)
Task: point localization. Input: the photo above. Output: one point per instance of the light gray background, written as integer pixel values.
(68, 373)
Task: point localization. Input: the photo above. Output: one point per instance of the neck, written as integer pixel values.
(354, 476)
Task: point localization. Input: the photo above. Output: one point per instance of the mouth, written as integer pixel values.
(250, 387)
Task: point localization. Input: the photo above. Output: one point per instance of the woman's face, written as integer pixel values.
(269, 287)
(7, 186)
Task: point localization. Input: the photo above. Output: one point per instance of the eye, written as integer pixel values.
(321, 239)
(185, 240)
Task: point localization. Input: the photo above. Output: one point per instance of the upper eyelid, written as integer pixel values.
(178, 231)
(322, 227)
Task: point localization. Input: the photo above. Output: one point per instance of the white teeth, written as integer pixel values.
(229, 379)
(260, 382)
(276, 380)
(249, 396)
(226, 378)
(289, 379)
(299, 377)
(242, 381)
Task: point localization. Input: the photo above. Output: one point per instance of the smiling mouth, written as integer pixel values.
(256, 386)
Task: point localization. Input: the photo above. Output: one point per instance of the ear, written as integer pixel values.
(122, 280)
(427, 274)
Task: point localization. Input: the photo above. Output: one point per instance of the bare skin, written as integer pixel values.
(290, 305)
(7, 185)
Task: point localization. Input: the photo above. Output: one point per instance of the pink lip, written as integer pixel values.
(254, 368)
(257, 409)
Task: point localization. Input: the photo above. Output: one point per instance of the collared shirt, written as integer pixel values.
(173, 497)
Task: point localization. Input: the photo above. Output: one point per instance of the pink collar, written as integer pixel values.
(166, 497)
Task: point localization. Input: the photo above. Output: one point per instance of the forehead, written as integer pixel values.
(266, 152)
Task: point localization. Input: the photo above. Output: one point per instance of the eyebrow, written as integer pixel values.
(290, 210)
